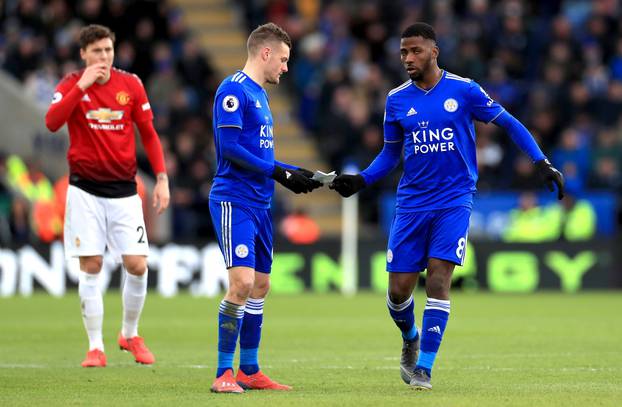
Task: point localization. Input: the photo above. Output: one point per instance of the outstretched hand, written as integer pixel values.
(348, 185)
(551, 176)
(296, 181)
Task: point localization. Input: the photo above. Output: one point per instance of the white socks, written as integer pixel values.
(134, 292)
(92, 308)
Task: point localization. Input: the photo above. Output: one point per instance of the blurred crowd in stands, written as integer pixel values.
(556, 65)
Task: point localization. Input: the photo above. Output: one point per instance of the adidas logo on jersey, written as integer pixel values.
(257, 104)
(436, 329)
(86, 98)
(411, 112)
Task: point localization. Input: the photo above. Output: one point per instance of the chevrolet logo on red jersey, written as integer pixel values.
(104, 115)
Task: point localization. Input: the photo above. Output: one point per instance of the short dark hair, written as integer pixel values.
(265, 33)
(94, 32)
(420, 30)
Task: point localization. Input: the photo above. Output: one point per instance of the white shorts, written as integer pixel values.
(93, 223)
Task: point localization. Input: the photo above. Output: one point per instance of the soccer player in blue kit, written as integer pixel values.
(431, 117)
(240, 204)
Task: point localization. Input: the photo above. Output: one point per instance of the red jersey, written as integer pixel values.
(102, 145)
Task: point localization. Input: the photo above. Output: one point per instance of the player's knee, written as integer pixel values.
(261, 289)
(136, 265)
(437, 286)
(241, 288)
(91, 264)
(399, 291)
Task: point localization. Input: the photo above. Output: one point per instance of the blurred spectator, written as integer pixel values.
(19, 223)
(24, 57)
(306, 75)
(29, 15)
(196, 72)
(531, 223)
(489, 156)
(607, 161)
(578, 219)
(501, 88)
(525, 176)
(608, 106)
(615, 65)
(40, 84)
(335, 127)
(572, 157)
(144, 38)
(364, 153)
(33, 208)
(162, 85)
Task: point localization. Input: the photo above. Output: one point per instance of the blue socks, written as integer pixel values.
(404, 317)
(229, 322)
(435, 318)
(250, 335)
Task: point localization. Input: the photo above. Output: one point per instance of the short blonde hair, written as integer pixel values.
(266, 33)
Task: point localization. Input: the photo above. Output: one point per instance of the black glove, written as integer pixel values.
(348, 185)
(306, 173)
(295, 180)
(550, 175)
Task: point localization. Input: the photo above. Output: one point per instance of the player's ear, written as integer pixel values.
(83, 54)
(265, 53)
(435, 51)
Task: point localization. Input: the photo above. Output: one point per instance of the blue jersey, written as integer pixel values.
(436, 126)
(240, 102)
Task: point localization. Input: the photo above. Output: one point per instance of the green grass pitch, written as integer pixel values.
(546, 349)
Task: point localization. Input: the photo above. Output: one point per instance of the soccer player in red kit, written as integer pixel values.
(100, 104)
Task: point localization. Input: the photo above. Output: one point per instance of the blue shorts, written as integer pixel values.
(417, 236)
(244, 235)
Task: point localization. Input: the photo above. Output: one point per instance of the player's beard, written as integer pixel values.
(419, 76)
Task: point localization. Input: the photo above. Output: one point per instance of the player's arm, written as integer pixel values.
(525, 141)
(63, 104)
(385, 162)
(292, 178)
(68, 95)
(142, 115)
(485, 109)
(153, 149)
(232, 150)
(285, 165)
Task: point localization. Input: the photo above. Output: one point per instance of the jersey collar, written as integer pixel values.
(248, 79)
(425, 92)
